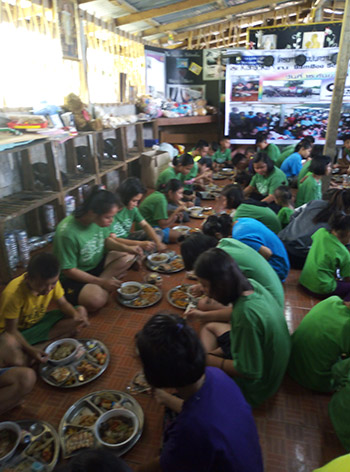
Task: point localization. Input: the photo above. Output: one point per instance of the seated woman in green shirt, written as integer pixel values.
(91, 259)
(327, 267)
(254, 347)
(154, 209)
(311, 187)
(267, 177)
(320, 359)
(131, 191)
(232, 197)
(181, 166)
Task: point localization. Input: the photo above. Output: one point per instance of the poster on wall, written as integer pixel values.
(185, 93)
(67, 15)
(184, 67)
(293, 97)
(213, 64)
(155, 72)
(310, 36)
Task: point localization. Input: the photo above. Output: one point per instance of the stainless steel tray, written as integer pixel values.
(161, 271)
(183, 288)
(135, 302)
(94, 405)
(38, 432)
(78, 374)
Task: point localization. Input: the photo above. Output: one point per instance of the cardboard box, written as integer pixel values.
(152, 164)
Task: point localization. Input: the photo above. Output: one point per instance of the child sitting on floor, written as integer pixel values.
(222, 157)
(24, 302)
(327, 267)
(254, 347)
(214, 429)
(311, 187)
(283, 198)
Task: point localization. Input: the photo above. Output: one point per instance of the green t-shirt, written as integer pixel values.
(318, 343)
(222, 156)
(340, 464)
(254, 266)
(154, 208)
(284, 216)
(260, 344)
(267, 185)
(124, 220)
(191, 175)
(77, 246)
(310, 189)
(167, 175)
(287, 151)
(272, 151)
(260, 213)
(304, 171)
(326, 256)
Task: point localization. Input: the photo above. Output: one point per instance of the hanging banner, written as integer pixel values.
(287, 78)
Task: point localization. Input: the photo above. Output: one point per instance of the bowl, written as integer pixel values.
(16, 430)
(182, 229)
(158, 258)
(117, 414)
(195, 209)
(130, 290)
(51, 348)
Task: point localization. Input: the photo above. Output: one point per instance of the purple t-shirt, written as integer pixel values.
(215, 431)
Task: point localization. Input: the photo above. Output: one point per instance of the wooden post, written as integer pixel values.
(338, 90)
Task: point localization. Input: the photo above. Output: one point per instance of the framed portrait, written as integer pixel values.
(67, 20)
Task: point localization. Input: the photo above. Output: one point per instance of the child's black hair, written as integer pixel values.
(99, 201)
(243, 179)
(43, 266)
(173, 185)
(129, 188)
(338, 201)
(317, 150)
(186, 160)
(250, 149)
(319, 165)
(214, 145)
(346, 137)
(309, 139)
(206, 161)
(237, 158)
(171, 352)
(262, 157)
(224, 138)
(340, 221)
(304, 144)
(260, 137)
(284, 194)
(93, 460)
(194, 246)
(234, 195)
(201, 144)
(221, 224)
(227, 282)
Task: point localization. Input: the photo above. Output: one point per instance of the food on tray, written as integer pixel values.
(177, 264)
(42, 449)
(116, 430)
(99, 356)
(159, 257)
(87, 370)
(208, 211)
(8, 439)
(62, 351)
(164, 267)
(87, 419)
(106, 401)
(147, 296)
(71, 381)
(60, 374)
(130, 289)
(194, 230)
(78, 440)
(140, 382)
(180, 296)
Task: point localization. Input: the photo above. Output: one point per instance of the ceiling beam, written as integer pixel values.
(160, 11)
(243, 7)
(200, 31)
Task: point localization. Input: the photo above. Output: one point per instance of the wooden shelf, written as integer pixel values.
(96, 170)
(21, 203)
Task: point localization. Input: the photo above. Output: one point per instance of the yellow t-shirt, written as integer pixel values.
(341, 464)
(18, 302)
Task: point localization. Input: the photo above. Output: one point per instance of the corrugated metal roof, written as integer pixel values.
(142, 5)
